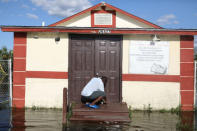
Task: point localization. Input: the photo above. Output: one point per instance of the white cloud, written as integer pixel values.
(167, 19)
(62, 8)
(32, 16)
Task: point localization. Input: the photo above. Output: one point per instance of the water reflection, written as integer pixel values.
(30, 120)
(5, 117)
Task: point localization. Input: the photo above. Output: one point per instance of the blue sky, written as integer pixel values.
(166, 13)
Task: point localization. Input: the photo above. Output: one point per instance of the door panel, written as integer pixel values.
(81, 65)
(90, 54)
(107, 60)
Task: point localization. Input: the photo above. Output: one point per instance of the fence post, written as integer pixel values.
(10, 74)
(64, 110)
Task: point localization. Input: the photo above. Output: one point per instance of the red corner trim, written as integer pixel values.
(75, 15)
(47, 74)
(104, 11)
(187, 69)
(20, 40)
(187, 41)
(112, 7)
(156, 78)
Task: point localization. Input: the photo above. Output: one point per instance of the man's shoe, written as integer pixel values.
(87, 104)
(94, 106)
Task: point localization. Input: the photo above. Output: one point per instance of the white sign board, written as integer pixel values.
(102, 19)
(146, 57)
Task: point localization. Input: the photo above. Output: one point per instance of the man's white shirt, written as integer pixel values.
(95, 84)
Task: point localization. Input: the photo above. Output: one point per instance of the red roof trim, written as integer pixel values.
(96, 31)
(112, 7)
(75, 15)
(133, 16)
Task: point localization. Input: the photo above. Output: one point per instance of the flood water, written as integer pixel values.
(51, 120)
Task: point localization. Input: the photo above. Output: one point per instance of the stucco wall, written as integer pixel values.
(83, 20)
(160, 95)
(123, 21)
(139, 94)
(43, 54)
(174, 60)
(44, 92)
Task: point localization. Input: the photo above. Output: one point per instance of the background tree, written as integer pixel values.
(5, 54)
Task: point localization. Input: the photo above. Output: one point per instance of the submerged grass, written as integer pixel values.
(130, 112)
(34, 108)
(149, 109)
(69, 113)
(183, 126)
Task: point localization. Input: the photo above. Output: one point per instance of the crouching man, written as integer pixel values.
(93, 93)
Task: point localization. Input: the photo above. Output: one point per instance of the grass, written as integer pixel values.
(69, 113)
(149, 109)
(183, 126)
(34, 108)
(130, 112)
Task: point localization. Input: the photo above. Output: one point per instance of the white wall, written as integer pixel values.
(174, 60)
(83, 20)
(43, 54)
(123, 21)
(44, 92)
(160, 95)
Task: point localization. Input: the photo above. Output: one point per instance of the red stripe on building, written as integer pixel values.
(20, 40)
(47, 74)
(187, 73)
(155, 78)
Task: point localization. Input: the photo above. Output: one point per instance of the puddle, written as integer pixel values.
(51, 120)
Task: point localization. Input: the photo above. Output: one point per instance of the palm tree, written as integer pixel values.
(5, 54)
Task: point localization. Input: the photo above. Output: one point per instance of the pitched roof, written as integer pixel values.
(112, 7)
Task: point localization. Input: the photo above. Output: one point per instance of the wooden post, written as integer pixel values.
(64, 110)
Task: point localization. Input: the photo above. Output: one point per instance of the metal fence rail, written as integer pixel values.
(6, 81)
(195, 84)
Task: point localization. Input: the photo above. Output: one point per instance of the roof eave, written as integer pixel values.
(87, 30)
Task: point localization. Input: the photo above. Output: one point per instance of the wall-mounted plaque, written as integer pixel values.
(102, 19)
(148, 58)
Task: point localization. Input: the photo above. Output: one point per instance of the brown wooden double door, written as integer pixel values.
(91, 54)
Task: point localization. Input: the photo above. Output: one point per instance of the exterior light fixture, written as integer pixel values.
(35, 37)
(102, 3)
(156, 38)
(57, 39)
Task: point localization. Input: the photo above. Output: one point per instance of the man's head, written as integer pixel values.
(104, 79)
